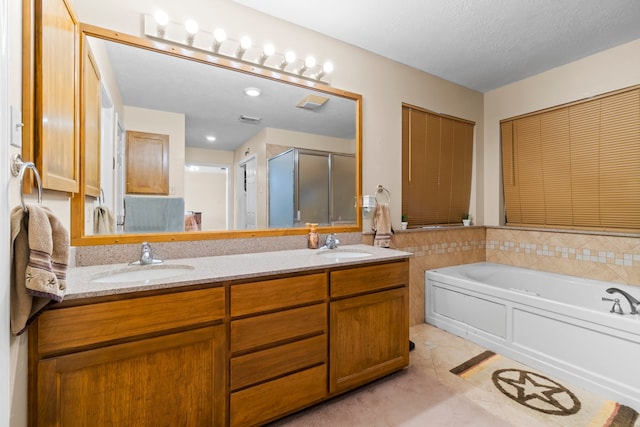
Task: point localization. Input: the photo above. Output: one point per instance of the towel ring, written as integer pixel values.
(18, 168)
(384, 192)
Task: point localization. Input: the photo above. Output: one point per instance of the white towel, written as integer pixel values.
(103, 221)
(382, 226)
(39, 258)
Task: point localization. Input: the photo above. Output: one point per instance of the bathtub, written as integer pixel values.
(551, 322)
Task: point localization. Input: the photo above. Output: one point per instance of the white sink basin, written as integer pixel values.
(338, 254)
(141, 273)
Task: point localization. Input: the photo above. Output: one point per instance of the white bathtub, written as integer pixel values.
(552, 322)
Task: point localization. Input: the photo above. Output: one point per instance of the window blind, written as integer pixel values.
(575, 166)
(437, 158)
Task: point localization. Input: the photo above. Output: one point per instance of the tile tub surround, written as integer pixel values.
(221, 268)
(610, 258)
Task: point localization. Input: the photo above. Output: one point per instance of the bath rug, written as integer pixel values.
(553, 402)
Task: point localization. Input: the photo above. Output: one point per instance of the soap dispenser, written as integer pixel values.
(312, 242)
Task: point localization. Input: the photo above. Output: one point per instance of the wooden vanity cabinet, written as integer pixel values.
(278, 343)
(241, 354)
(369, 318)
(147, 361)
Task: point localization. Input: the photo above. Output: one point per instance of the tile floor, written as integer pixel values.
(425, 394)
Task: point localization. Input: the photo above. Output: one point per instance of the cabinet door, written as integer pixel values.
(90, 121)
(52, 94)
(172, 380)
(369, 338)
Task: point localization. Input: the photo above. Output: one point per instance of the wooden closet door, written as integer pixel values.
(147, 163)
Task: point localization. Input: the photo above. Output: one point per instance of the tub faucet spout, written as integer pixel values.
(634, 303)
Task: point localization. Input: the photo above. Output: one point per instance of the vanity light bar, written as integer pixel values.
(158, 26)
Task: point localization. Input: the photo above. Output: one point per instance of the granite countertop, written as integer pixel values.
(220, 268)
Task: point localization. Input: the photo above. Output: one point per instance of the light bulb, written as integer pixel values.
(310, 62)
(161, 17)
(327, 67)
(290, 57)
(245, 42)
(269, 49)
(191, 26)
(219, 35)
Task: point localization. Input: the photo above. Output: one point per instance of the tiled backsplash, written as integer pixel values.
(113, 254)
(602, 257)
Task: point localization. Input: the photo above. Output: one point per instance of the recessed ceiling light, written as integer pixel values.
(211, 138)
(252, 91)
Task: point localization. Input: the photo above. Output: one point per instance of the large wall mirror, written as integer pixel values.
(175, 147)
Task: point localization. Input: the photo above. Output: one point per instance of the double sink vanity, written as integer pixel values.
(235, 340)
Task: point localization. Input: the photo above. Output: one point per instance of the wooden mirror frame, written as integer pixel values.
(77, 201)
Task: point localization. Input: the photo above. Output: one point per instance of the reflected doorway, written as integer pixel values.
(247, 194)
(206, 195)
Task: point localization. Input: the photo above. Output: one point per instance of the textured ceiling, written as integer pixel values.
(479, 44)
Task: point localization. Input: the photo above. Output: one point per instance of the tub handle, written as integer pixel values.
(617, 309)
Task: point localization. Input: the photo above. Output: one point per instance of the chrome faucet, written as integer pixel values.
(634, 303)
(331, 242)
(146, 256)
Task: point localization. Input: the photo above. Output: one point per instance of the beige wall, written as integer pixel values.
(606, 71)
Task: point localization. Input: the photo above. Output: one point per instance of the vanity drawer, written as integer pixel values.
(368, 279)
(73, 327)
(268, 295)
(270, 329)
(263, 365)
(265, 402)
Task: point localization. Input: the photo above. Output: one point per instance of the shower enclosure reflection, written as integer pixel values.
(307, 186)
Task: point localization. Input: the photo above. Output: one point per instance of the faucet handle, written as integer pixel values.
(617, 309)
(331, 242)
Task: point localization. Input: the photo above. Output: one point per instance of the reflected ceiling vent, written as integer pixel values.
(250, 119)
(312, 102)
